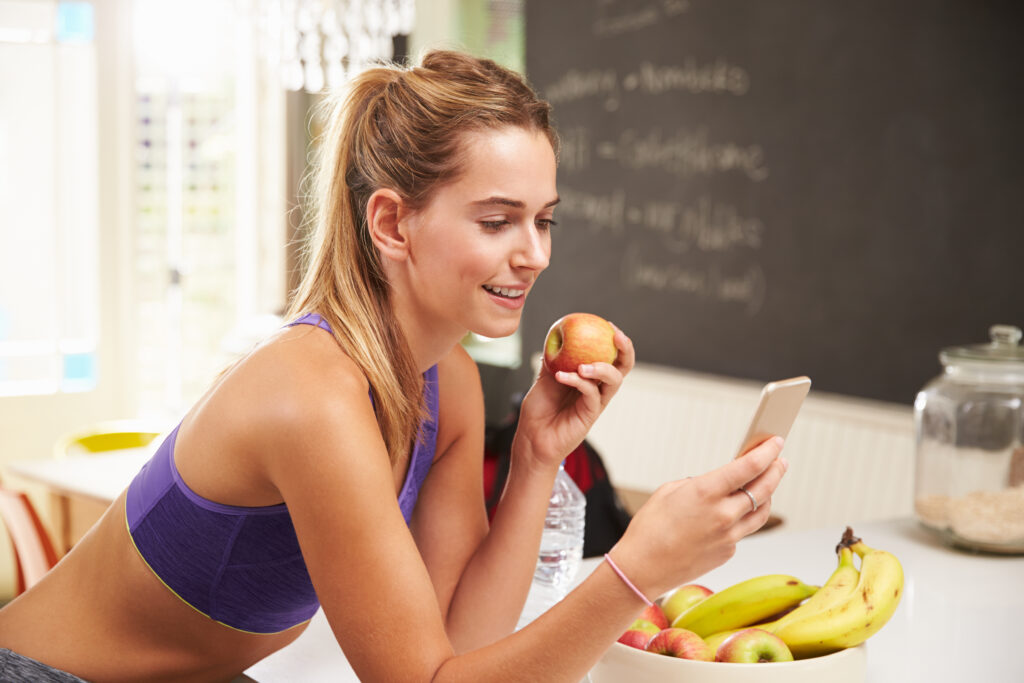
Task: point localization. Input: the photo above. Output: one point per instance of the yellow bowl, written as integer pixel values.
(624, 664)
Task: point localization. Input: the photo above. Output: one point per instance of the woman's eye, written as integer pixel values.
(494, 226)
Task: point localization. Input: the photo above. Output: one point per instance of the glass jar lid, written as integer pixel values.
(1004, 348)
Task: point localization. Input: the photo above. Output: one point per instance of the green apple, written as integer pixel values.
(682, 599)
(753, 646)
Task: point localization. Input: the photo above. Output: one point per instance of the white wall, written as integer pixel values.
(435, 26)
(851, 460)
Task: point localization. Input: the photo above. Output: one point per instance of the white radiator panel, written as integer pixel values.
(850, 460)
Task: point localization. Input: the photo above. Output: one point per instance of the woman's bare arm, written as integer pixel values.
(378, 594)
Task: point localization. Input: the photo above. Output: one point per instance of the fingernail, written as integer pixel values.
(779, 441)
(784, 463)
(585, 369)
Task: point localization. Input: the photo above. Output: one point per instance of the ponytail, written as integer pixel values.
(397, 128)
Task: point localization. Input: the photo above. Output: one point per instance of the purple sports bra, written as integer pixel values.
(240, 566)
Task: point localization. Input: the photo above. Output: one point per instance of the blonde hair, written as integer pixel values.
(399, 128)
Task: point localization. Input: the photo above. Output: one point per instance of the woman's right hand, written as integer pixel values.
(691, 526)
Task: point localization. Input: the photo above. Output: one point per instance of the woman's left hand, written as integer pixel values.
(561, 407)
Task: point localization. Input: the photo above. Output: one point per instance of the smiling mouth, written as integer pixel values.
(506, 292)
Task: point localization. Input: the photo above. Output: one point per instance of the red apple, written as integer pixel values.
(682, 599)
(653, 614)
(678, 642)
(753, 646)
(639, 634)
(579, 338)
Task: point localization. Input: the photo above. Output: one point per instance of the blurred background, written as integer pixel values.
(150, 158)
(751, 190)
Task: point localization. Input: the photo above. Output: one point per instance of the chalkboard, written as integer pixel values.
(766, 189)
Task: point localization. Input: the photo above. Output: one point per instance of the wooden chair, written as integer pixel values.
(34, 553)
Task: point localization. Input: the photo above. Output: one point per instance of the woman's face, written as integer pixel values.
(479, 244)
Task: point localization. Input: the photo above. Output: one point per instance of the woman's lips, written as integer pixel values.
(509, 297)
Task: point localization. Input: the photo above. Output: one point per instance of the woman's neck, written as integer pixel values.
(429, 339)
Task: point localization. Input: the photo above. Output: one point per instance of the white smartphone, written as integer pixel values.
(776, 411)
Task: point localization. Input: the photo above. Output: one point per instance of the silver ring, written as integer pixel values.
(753, 501)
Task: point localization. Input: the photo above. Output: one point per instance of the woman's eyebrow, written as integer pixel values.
(514, 203)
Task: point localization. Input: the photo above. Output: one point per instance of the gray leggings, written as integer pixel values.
(15, 668)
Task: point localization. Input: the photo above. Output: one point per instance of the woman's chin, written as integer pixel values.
(497, 329)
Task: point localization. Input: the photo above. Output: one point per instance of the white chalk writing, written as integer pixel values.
(596, 213)
(717, 77)
(704, 281)
(574, 148)
(689, 243)
(578, 84)
(610, 21)
(692, 77)
(704, 225)
(684, 153)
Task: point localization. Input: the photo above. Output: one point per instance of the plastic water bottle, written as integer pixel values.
(561, 548)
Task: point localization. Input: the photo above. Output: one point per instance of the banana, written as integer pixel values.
(744, 603)
(856, 618)
(839, 585)
(837, 589)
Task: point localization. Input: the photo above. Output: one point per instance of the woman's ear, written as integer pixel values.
(385, 212)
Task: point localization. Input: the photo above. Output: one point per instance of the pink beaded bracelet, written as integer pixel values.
(625, 580)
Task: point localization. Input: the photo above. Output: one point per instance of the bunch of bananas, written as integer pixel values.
(848, 609)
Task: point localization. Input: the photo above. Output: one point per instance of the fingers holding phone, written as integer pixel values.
(750, 481)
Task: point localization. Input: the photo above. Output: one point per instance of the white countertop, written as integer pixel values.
(959, 619)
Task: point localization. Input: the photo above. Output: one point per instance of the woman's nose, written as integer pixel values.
(534, 250)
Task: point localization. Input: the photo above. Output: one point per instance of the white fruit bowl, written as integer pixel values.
(624, 664)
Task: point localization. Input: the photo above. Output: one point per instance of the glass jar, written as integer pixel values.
(969, 422)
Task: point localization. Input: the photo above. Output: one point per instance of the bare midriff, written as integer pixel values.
(105, 616)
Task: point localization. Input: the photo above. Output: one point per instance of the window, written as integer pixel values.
(49, 261)
(209, 194)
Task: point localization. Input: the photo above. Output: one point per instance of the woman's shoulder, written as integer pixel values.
(298, 375)
(461, 397)
(291, 396)
(457, 372)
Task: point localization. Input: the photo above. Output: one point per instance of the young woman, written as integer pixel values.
(340, 463)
